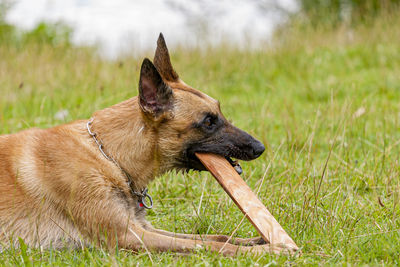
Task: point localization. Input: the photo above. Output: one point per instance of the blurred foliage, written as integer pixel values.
(6, 30)
(53, 34)
(336, 12)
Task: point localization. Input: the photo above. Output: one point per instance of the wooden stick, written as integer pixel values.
(270, 230)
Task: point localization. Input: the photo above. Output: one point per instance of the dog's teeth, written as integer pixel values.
(238, 169)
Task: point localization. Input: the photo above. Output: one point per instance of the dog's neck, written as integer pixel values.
(129, 140)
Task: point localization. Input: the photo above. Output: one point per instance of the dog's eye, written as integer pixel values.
(209, 121)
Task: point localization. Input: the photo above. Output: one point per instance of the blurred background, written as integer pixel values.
(128, 26)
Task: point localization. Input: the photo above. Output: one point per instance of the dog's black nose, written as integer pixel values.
(258, 149)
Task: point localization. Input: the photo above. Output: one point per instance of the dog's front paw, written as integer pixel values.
(255, 241)
(259, 250)
(250, 241)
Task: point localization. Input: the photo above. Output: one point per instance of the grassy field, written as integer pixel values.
(325, 104)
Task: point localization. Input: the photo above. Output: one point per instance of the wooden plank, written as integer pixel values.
(270, 230)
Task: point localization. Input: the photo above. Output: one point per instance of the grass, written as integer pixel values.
(326, 105)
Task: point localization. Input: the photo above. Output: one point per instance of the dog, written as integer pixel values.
(85, 182)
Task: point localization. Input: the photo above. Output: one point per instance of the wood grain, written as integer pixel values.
(270, 230)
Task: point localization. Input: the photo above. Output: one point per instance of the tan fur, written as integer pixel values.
(57, 189)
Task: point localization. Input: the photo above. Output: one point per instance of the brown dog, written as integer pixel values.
(85, 181)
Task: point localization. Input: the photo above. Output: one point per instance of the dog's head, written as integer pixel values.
(186, 120)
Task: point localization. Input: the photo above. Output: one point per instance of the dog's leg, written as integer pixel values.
(102, 217)
(216, 238)
(140, 238)
(119, 230)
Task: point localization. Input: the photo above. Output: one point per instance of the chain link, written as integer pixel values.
(142, 196)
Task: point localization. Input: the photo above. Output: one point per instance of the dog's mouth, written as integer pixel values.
(194, 163)
(247, 148)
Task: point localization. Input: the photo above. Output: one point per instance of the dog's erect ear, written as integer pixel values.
(155, 96)
(162, 61)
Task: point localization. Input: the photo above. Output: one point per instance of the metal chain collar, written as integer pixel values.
(142, 196)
